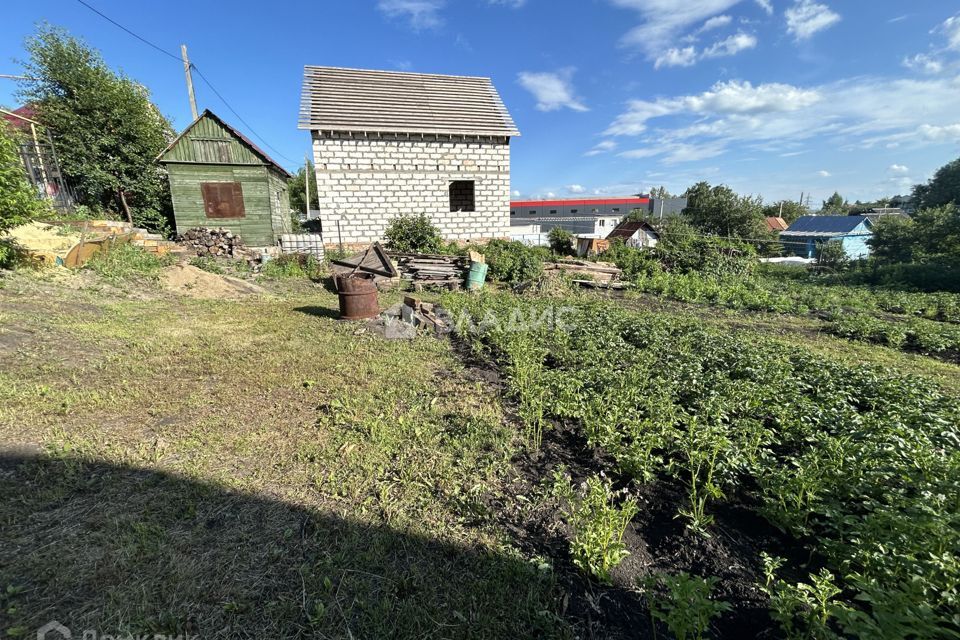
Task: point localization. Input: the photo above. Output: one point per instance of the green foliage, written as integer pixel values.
(413, 234)
(293, 265)
(513, 262)
(831, 254)
(660, 192)
(942, 189)
(18, 200)
(835, 205)
(12, 255)
(932, 234)
(296, 187)
(598, 526)
(720, 211)
(688, 608)
(914, 334)
(861, 460)
(803, 610)
(126, 261)
(108, 132)
(561, 241)
(207, 263)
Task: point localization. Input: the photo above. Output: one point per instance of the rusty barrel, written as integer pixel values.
(358, 296)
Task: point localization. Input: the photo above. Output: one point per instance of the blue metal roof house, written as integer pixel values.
(807, 232)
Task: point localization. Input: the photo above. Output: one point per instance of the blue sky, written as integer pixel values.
(773, 97)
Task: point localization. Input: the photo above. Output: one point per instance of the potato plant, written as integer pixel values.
(861, 461)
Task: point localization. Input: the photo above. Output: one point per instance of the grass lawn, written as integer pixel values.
(248, 469)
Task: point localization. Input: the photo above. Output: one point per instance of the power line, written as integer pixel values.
(199, 73)
(138, 37)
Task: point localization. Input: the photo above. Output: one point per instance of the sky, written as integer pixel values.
(776, 98)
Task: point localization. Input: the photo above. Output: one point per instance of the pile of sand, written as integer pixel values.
(190, 281)
(46, 239)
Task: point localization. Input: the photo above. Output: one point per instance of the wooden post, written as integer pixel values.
(186, 71)
(306, 175)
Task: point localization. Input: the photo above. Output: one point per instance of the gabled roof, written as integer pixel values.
(825, 225)
(775, 223)
(627, 228)
(243, 139)
(362, 100)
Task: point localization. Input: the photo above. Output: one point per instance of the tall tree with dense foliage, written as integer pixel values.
(720, 211)
(835, 205)
(297, 189)
(107, 130)
(943, 188)
(786, 209)
(932, 234)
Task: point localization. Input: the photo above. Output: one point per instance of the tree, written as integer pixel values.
(835, 205)
(297, 190)
(107, 130)
(931, 234)
(720, 211)
(561, 241)
(660, 192)
(18, 200)
(786, 209)
(831, 254)
(943, 188)
(894, 240)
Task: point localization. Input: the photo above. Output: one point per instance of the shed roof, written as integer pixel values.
(337, 99)
(243, 139)
(825, 225)
(776, 223)
(627, 228)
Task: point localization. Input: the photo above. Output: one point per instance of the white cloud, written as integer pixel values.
(766, 6)
(899, 168)
(730, 46)
(513, 4)
(805, 18)
(553, 90)
(940, 133)
(823, 173)
(951, 29)
(923, 62)
(602, 147)
(422, 14)
(776, 118)
(675, 57)
(664, 21)
(716, 22)
(576, 188)
(515, 193)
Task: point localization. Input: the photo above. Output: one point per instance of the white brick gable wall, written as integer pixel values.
(367, 180)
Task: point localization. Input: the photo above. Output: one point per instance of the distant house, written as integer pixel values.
(218, 178)
(635, 233)
(589, 217)
(591, 246)
(776, 224)
(876, 213)
(803, 237)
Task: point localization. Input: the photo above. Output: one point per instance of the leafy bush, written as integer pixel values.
(293, 265)
(688, 608)
(832, 255)
(18, 200)
(124, 261)
(561, 241)
(513, 262)
(598, 526)
(413, 234)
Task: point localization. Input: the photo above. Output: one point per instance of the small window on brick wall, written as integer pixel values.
(222, 199)
(461, 196)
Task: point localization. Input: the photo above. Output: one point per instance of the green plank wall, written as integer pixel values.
(255, 228)
(266, 216)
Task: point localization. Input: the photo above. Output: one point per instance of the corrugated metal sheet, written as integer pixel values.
(360, 100)
(627, 228)
(824, 225)
(776, 223)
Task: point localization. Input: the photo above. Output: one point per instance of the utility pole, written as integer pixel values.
(186, 71)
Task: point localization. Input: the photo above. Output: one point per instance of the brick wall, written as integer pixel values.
(369, 180)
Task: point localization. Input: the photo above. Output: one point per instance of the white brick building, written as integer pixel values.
(389, 143)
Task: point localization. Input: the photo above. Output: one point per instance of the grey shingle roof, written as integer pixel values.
(336, 99)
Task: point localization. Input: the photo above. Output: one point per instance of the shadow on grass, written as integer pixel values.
(319, 312)
(122, 550)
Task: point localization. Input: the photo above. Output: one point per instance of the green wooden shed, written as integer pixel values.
(218, 178)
